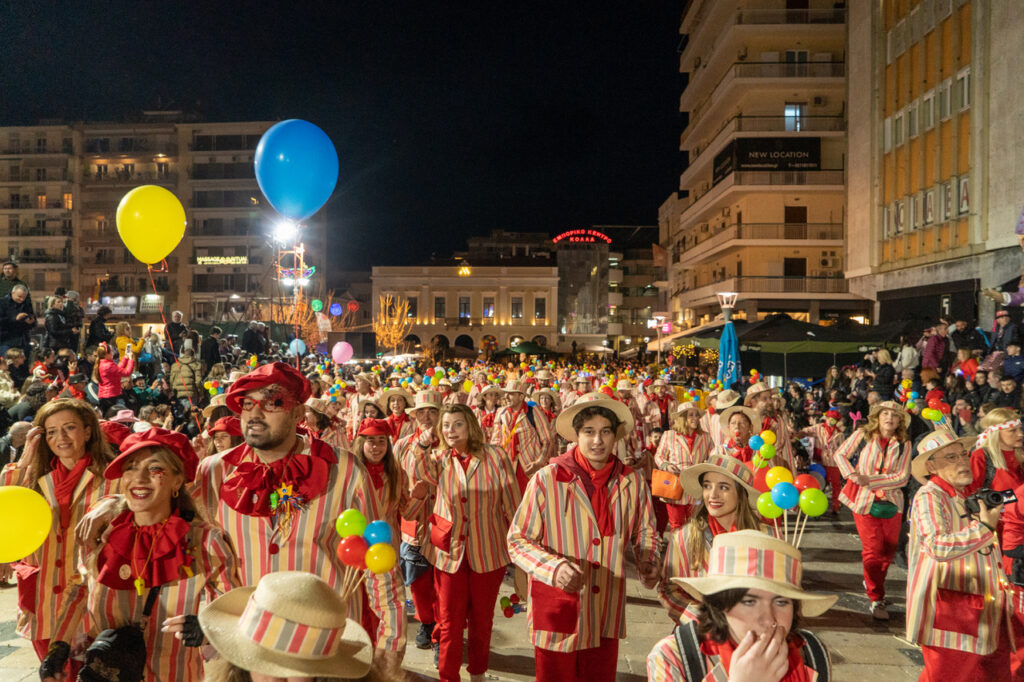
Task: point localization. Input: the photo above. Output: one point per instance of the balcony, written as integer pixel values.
(704, 197)
(32, 206)
(761, 17)
(31, 230)
(122, 178)
(766, 287)
(27, 177)
(43, 259)
(704, 244)
(136, 146)
(764, 124)
(31, 149)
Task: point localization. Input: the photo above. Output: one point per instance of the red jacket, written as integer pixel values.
(110, 375)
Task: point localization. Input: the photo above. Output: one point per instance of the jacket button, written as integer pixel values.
(465, 500)
(597, 541)
(273, 549)
(596, 565)
(58, 563)
(595, 589)
(56, 589)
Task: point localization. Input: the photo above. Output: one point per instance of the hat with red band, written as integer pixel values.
(177, 443)
(279, 373)
(229, 425)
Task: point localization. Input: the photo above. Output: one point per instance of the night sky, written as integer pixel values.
(450, 119)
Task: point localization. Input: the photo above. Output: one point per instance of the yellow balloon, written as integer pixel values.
(27, 519)
(467, 385)
(151, 222)
(380, 558)
(768, 437)
(778, 475)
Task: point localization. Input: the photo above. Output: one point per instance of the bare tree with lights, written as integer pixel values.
(392, 323)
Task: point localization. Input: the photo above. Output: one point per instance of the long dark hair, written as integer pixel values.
(392, 474)
(711, 619)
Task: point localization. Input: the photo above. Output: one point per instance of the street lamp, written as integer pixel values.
(727, 300)
(656, 322)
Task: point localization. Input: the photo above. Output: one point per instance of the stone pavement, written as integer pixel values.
(861, 650)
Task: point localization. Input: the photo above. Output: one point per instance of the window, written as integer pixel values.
(67, 201)
(41, 145)
(162, 169)
(962, 90)
(125, 144)
(101, 171)
(517, 307)
(540, 308)
(912, 119)
(794, 114)
(796, 62)
(40, 201)
(489, 307)
(887, 135)
(41, 174)
(439, 306)
(413, 307)
(463, 307)
(943, 97)
(101, 225)
(897, 129)
(927, 113)
(129, 169)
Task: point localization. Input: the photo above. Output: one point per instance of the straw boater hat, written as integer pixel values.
(754, 417)
(390, 393)
(563, 424)
(215, 402)
(444, 381)
(517, 386)
(894, 406)
(726, 399)
(543, 375)
(724, 465)
(317, 405)
(368, 377)
(292, 624)
(759, 387)
(551, 392)
(659, 382)
(491, 388)
(750, 559)
(581, 379)
(688, 406)
(930, 445)
(425, 398)
(624, 385)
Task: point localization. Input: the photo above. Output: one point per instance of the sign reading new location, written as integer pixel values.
(767, 154)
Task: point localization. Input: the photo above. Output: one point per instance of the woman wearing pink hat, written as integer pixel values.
(159, 563)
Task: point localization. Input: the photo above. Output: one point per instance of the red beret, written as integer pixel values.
(833, 414)
(375, 427)
(229, 425)
(115, 432)
(286, 376)
(156, 438)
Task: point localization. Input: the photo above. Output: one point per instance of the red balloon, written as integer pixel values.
(509, 612)
(429, 372)
(759, 480)
(934, 403)
(944, 408)
(352, 551)
(514, 598)
(607, 390)
(805, 481)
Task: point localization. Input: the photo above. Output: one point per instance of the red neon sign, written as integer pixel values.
(583, 236)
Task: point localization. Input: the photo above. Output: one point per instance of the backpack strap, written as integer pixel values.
(815, 656)
(688, 643)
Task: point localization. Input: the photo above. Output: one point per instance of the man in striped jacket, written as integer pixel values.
(570, 534)
(522, 431)
(957, 606)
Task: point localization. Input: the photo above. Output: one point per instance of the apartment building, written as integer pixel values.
(763, 205)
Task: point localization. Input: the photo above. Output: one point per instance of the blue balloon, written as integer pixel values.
(296, 168)
(335, 309)
(755, 442)
(913, 395)
(785, 495)
(297, 347)
(816, 468)
(377, 532)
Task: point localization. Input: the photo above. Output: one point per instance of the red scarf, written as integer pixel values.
(376, 473)
(396, 421)
(247, 489)
(796, 673)
(488, 419)
(690, 437)
(744, 454)
(549, 414)
(64, 483)
(717, 528)
(464, 460)
(663, 401)
(599, 495)
(948, 487)
(129, 545)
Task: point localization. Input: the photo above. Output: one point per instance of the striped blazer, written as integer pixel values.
(888, 471)
(353, 416)
(513, 433)
(98, 607)
(479, 502)
(827, 444)
(665, 664)
(948, 552)
(56, 559)
(710, 424)
(556, 522)
(310, 543)
(673, 450)
(408, 452)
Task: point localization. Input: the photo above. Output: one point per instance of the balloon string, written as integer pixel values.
(170, 342)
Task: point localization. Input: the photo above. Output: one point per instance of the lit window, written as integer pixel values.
(67, 201)
(540, 308)
(794, 117)
(463, 307)
(489, 307)
(40, 201)
(517, 307)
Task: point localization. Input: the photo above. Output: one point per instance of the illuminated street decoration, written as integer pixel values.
(583, 236)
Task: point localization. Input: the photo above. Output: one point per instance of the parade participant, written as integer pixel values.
(486, 410)
(448, 396)
(363, 382)
(396, 401)
(476, 495)
(241, 625)
(225, 434)
(322, 425)
(956, 605)
(581, 385)
(571, 534)
(64, 458)
(762, 398)
(549, 403)
(159, 562)
(738, 424)
(523, 432)
(624, 392)
(751, 604)
(479, 384)
(683, 446)
(390, 486)
(710, 422)
(827, 438)
(661, 408)
(873, 491)
(417, 572)
(544, 378)
(998, 452)
(726, 487)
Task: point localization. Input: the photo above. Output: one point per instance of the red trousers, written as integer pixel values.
(588, 665)
(660, 514)
(72, 667)
(879, 539)
(461, 596)
(835, 480)
(941, 664)
(678, 514)
(424, 596)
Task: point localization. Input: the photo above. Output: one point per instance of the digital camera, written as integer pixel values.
(992, 498)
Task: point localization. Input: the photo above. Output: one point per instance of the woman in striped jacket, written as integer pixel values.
(159, 562)
(682, 447)
(476, 497)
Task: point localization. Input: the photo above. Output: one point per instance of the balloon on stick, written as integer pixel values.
(351, 522)
(151, 222)
(778, 475)
(352, 551)
(785, 495)
(377, 532)
(767, 508)
(296, 168)
(381, 557)
(27, 519)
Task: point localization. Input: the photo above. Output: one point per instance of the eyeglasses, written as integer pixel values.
(953, 458)
(273, 403)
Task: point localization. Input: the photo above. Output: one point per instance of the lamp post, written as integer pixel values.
(656, 322)
(728, 347)
(727, 300)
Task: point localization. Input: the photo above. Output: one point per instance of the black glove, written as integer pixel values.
(191, 633)
(56, 658)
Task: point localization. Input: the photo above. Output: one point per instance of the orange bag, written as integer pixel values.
(666, 485)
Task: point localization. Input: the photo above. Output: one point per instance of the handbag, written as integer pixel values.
(883, 509)
(666, 485)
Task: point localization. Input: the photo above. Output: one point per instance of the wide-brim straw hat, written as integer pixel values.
(543, 375)
(688, 406)
(624, 385)
(317, 405)
(491, 388)
(390, 393)
(891, 405)
(726, 399)
(517, 386)
(363, 402)
(759, 387)
(426, 398)
(753, 416)
(932, 443)
(563, 424)
(292, 624)
(724, 465)
(551, 392)
(219, 400)
(659, 382)
(752, 560)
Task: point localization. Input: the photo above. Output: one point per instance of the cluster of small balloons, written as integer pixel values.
(214, 387)
(253, 361)
(510, 605)
(336, 391)
(715, 385)
(692, 395)
(363, 544)
(755, 376)
(787, 492)
(936, 410)
(764, 445)
(905, 395)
